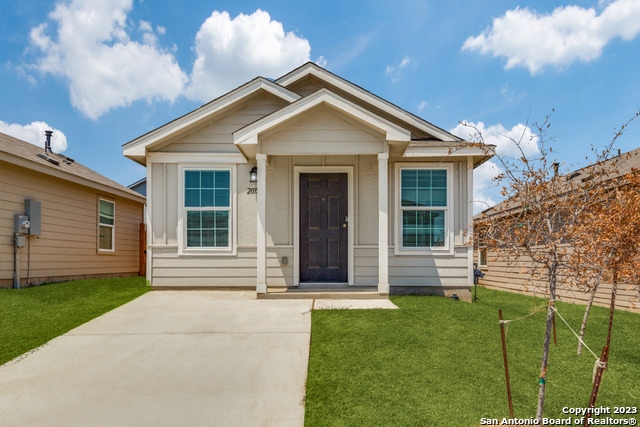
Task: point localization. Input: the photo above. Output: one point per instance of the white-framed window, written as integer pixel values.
(482, 249)
(207, 209)
(106, 225)
(424, 208)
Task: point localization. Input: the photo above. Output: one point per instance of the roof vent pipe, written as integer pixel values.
(47, 144)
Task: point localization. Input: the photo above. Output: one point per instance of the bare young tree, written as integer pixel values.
(539, 222)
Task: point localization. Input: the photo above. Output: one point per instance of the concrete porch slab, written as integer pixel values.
(353, 304)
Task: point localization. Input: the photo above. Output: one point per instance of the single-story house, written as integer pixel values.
(515, 276)
(80, 223)
(307, 179)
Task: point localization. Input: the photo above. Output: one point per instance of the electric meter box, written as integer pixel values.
(32, 210)
(21, 224)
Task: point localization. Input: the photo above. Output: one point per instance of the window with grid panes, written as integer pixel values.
(207, 208)
(423, 207)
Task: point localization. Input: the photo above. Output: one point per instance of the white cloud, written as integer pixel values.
(321, 61)
(484, 193)
(145, 26)
(230, 52)
(34, 133)
(570, 33)
(422, 105)
(395, 71)
(405, 61)
(92, 49)
(501, 137)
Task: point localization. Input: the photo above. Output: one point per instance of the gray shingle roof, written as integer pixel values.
(24, 150)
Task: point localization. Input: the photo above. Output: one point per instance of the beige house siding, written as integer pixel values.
(67, 247)
(319, 130)
(172, 270)
(513, 278)
(216, 134)
(311, 84)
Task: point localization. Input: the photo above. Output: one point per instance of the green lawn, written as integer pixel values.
(438, 362)
(32, 316)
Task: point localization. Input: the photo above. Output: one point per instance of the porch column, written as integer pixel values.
(383, 223)
(261, 237)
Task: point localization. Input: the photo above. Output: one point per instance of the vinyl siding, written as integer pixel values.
(322, 129)
(311, 84)
(171, 270)
(216, 135)
(67, 247)
(408, 270)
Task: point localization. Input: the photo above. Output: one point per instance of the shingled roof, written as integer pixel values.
(625, 163)
(17, 151)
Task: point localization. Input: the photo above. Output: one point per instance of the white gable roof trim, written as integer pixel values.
(249, 134)
(312, 69)
(137, 146)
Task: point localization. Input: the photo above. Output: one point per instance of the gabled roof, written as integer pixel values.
(249, 133)
(135, 149)
(24, 154)
(312, 69)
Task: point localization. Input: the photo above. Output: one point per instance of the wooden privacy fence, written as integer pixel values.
(514, 277)
(143, 250)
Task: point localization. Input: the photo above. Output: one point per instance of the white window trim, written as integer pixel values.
(448, 247)
(480, 265)
(230, 250)
(113, 227)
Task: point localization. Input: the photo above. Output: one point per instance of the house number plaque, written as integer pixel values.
(252, 190)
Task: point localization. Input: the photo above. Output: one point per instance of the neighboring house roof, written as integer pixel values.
(22, 153)
(140, 186)
(625, 163)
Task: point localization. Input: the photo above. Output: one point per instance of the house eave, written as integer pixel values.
(136, 148)
(249, 134)
(312, 69)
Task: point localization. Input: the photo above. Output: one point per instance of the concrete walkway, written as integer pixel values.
(187, 358)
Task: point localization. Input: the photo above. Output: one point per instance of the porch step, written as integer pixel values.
(324, 292)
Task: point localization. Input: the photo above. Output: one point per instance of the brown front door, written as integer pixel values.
(323, 227)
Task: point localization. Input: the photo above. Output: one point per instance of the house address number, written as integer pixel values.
(252, 190)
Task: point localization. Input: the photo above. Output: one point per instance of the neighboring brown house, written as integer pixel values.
(498, 274)
(90, 225)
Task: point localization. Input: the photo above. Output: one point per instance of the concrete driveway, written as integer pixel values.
(186, 358)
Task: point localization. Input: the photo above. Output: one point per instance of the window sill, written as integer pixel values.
(423, 251)
(207, 252)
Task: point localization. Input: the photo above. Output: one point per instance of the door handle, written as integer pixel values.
(346, 220)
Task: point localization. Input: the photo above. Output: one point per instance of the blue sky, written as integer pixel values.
(102, 72)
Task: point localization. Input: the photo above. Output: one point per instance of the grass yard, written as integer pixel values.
(32, 316)
(438, 362)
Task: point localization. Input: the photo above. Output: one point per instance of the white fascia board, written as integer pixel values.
(182, 157)
(249, 134)
(479, 154)
(386, 106)
(137, 146)
(446, 152)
